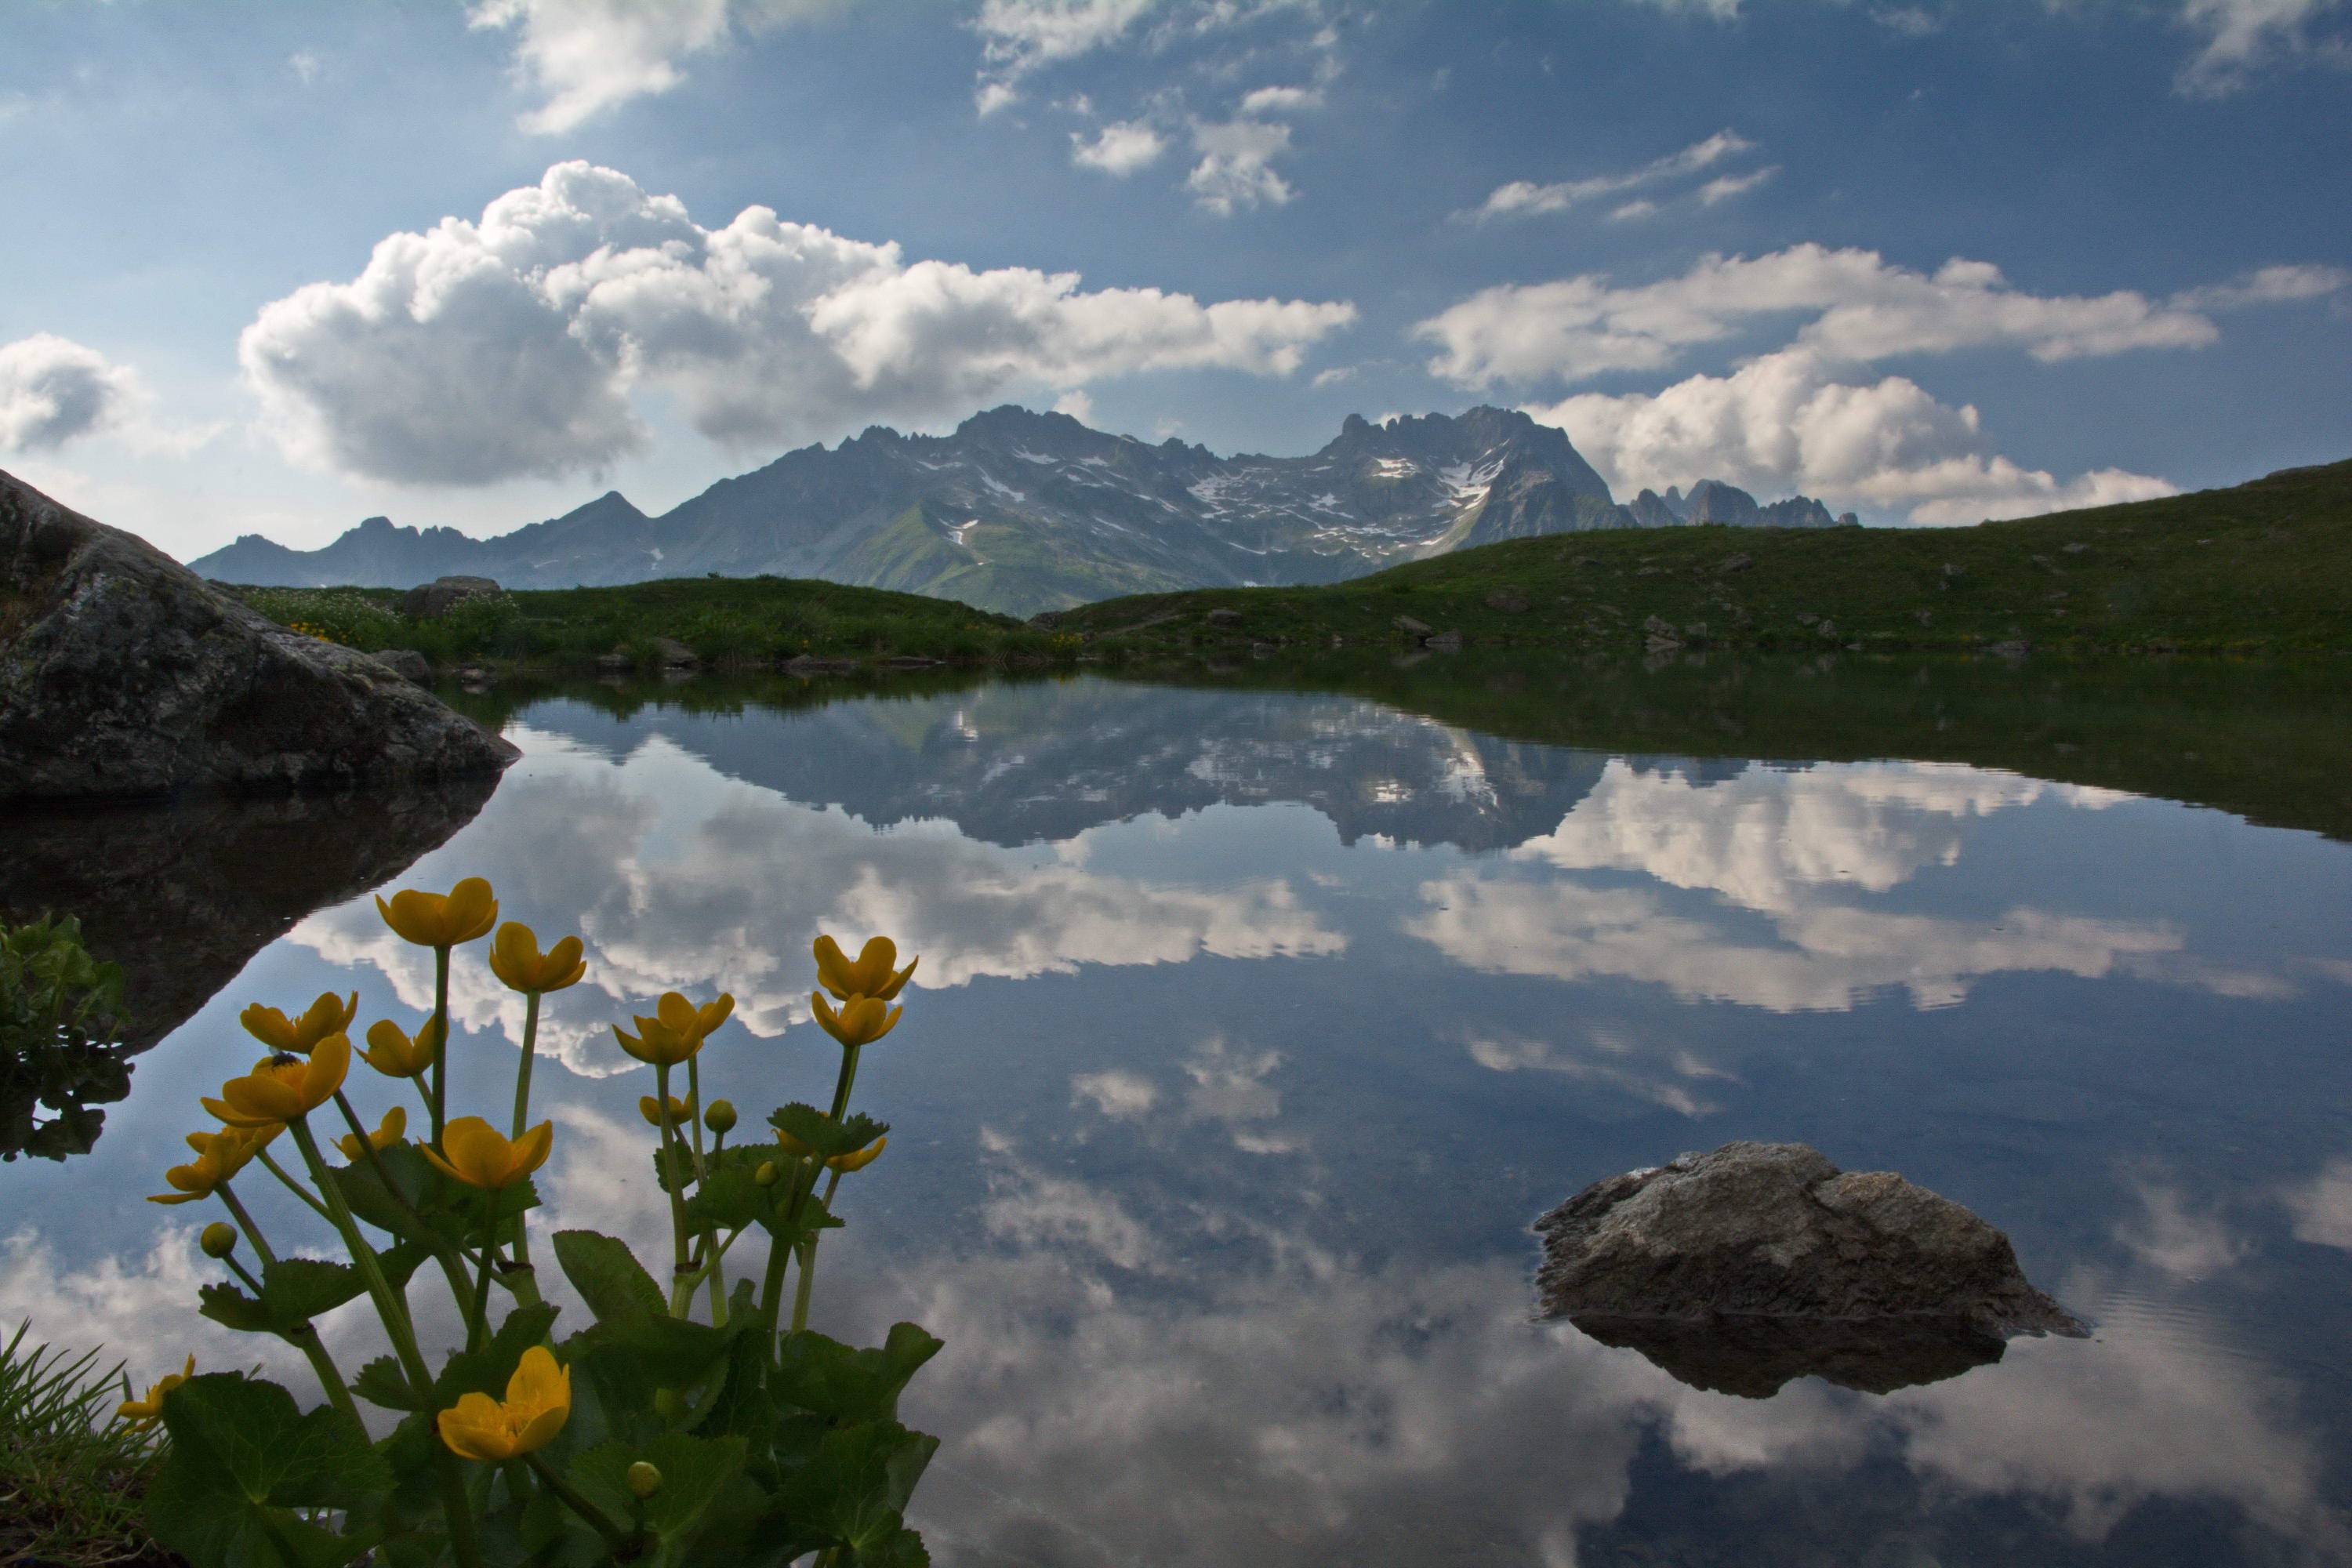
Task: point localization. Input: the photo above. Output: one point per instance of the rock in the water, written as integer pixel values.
(1759, 1262)
(123, 673)
(406, 663)
(431, 601)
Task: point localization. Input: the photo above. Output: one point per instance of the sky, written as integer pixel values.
(277, 267)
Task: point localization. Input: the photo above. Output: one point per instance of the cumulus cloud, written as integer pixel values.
(1787, 422)
(681, 880)
(1790, 845)
(1524, 198)
(585, 57)
(53, 390)
(1120, 148)
(482, 350)
(1862, 307)
(1236, 167)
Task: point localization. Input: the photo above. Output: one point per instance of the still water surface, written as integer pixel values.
(1251, 1030)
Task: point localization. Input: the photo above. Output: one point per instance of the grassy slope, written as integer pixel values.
(749, 620)
(2262, 568)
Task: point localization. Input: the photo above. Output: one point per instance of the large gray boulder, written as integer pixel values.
(1758, 1262)
(431, 601)
(123, 674)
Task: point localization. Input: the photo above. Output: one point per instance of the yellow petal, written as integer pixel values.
(677, 1014)
(529, 1150)
(539, 1382)
(269, 1025)
(472, 909)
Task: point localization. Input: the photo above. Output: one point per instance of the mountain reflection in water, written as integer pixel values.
(1253, 1028)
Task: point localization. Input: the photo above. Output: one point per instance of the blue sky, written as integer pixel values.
(274, 268)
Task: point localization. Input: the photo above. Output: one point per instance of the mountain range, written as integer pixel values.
(1019, 512)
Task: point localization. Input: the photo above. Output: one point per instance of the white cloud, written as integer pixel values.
(1117, 1093)
(1267, 100)
(2267, 286)
(1077, 404)
(53, 390)
(588, 56)
(1785, 422)
(1023, 35)
(1524, 198)
(304, 65)
(1120, 148)
(1792, 846)
(2321, 1206)
(699, 883)
(2240, 34)
(1861, 308)
(1724, 188)
(479, 351)
(1634, 211)
(1236, 167)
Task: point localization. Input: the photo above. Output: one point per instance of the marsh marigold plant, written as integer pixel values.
(688, 1419)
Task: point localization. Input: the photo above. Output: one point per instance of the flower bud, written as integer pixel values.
(720, 1117)
(643, 1481)
(220, 1239)
(767, 1175)
(668, 1405)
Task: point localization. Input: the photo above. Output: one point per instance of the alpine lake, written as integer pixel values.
(1258, 1017)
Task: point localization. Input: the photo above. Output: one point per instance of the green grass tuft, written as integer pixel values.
(73, 1479)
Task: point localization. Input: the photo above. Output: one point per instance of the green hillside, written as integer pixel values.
(2262, 568)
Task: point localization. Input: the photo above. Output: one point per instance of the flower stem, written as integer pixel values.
(393, 1310)
(304, 1338)
(451, 1269)
(441, 1039)
(479, 1319)
(598, 1520)
(297, 1188)
(679, 1294)
(521, 1236)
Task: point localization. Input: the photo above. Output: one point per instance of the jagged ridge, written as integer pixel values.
(1020, 511)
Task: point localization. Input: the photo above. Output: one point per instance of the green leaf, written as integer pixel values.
(241, 1457)
(822, 1134)
(902, 1548)
(231, 1308)
(849, 1386)
(608, 1275)
(695, 1472)
(381, 1381)
(421, 1204)
(856, 1485)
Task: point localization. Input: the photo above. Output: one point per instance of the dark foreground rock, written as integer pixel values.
(124, 674)
(1740, 1269)
(182, 896)
(431, 601)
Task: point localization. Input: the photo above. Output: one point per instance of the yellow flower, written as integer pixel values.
(326, 1015)
(388, 1132)
(442, 919)
(219, 1156)
(861, 1021)
(392, 1053)
(480, 1157)
(281, 1088)
(859, 1159)
(871, 976)
(681, 1016)
(655, 1043)
(538, 1403)
(148, 1411)
(515, 959)
(651, 1110)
